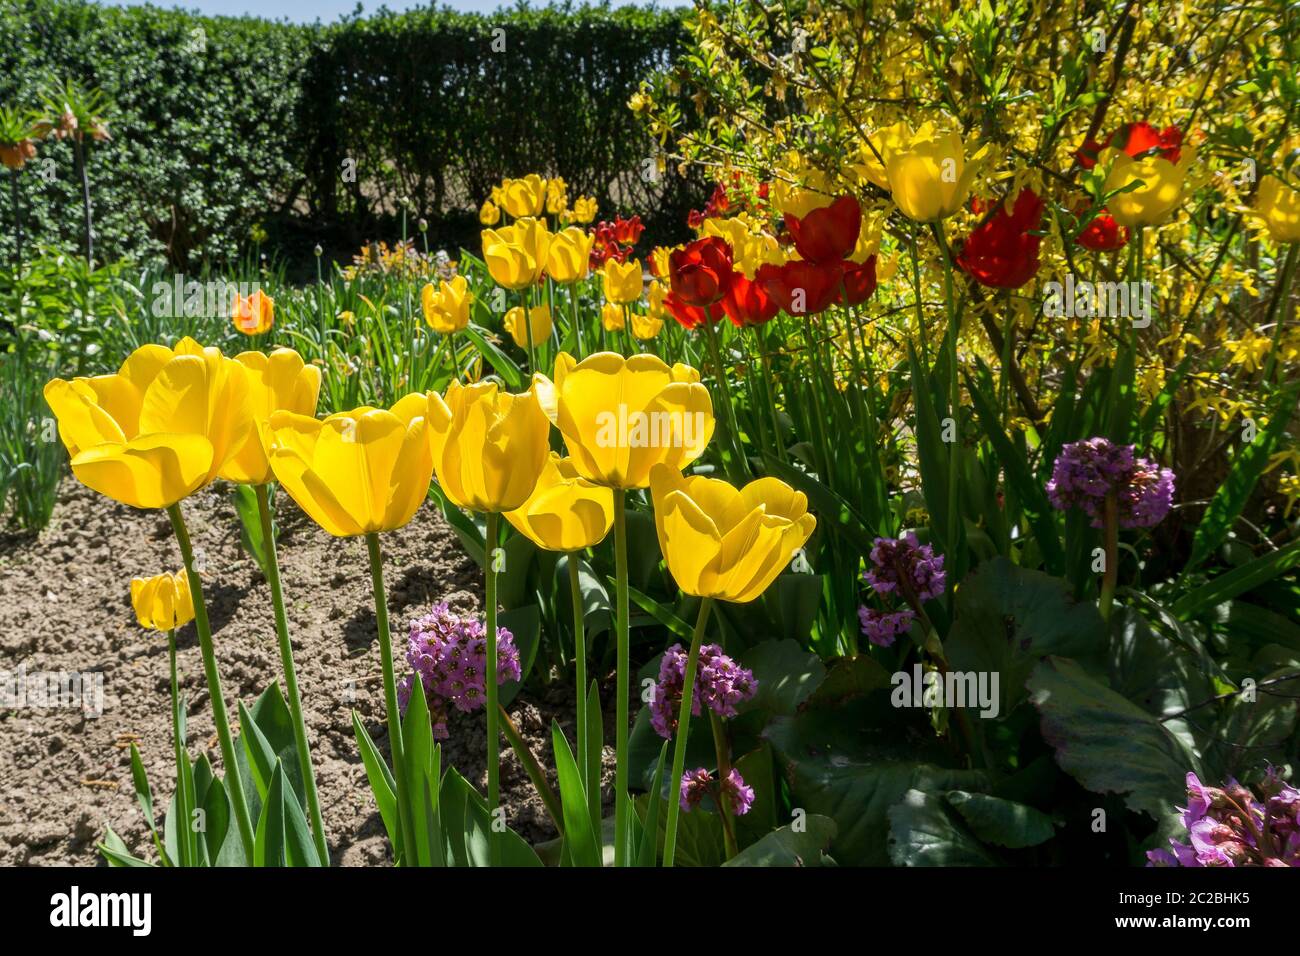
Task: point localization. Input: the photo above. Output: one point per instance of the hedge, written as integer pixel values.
(221, 124)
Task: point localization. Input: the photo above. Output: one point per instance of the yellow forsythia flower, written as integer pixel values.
(276, 382)
(489, 446)
(621, 281)
(355, 472)
(722, 542)
(565, 511)
(158, 430)
(446, 307)
(619, 417)
(253, 315)
(539, 323)
(163, 602)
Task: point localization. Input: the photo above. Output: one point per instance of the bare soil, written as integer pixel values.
(65, 607)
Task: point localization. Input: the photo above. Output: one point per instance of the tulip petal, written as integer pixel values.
(82, 423)
(152, 471)
(410, 476)
(690, 544)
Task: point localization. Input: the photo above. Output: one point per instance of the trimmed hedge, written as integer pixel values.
(223, 124)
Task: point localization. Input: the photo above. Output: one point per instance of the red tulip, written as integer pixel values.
(1002, 252)
(1102, 234)
(801, 288)
(859, 281)
(700, 272)
(827, 234)
(690, 316)
(747, 302)
(1135, 139)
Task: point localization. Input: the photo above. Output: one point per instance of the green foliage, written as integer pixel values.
(225, 130)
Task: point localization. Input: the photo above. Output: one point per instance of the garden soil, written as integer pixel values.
(65, 606)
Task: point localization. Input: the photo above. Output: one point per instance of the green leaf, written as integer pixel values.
(1230, 499)
(250, 525)
(525, 626)
(1107, 743)
(786, 676)
(579, 831)
(1238, 581)
(647, 854)
(855, 762)
(417, 737)
(595, 749)
(269, 845)
(510, 373)
(787, 847)
(1003, 822)
(924, 831)
(116, 853)
(1007, 618)
(381, 780)
(659, 612)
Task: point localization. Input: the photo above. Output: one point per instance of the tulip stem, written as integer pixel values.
(235, 779)
(1110, 574)
(455, 361)
(493, 732)
(621, 807)
(580, 662)
(405, 821)
(185, 832)
(683, 730)
(737, 467)
(577, 326)
(528, 329)
(305, 768)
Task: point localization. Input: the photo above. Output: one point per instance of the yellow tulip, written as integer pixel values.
(1277, 205)
(645, 327)
(611, 316)
(489, 214)
(354, 472)
(565, 512)
(727, 543)
(539, 320)
(489, 446)
(750, 248)
(620, 417)
(929, 176)
(886, 141)
(516, 255)
(158, 430)
(621, 281)
(583, 210)
(797, 200)
(162, 603)
(1159, 191)
(253, 315)
(524, 197)
(446, 307)
(557, 196)
(280, 381)
(569, 257)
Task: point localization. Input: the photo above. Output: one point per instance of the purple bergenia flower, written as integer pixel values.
(883, 627)
(905, 567)
(1233, 826)
(448, 652)
(699, 783)
(1085, 472)
(720, 684)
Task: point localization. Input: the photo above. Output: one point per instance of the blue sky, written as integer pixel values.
(305, 11)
